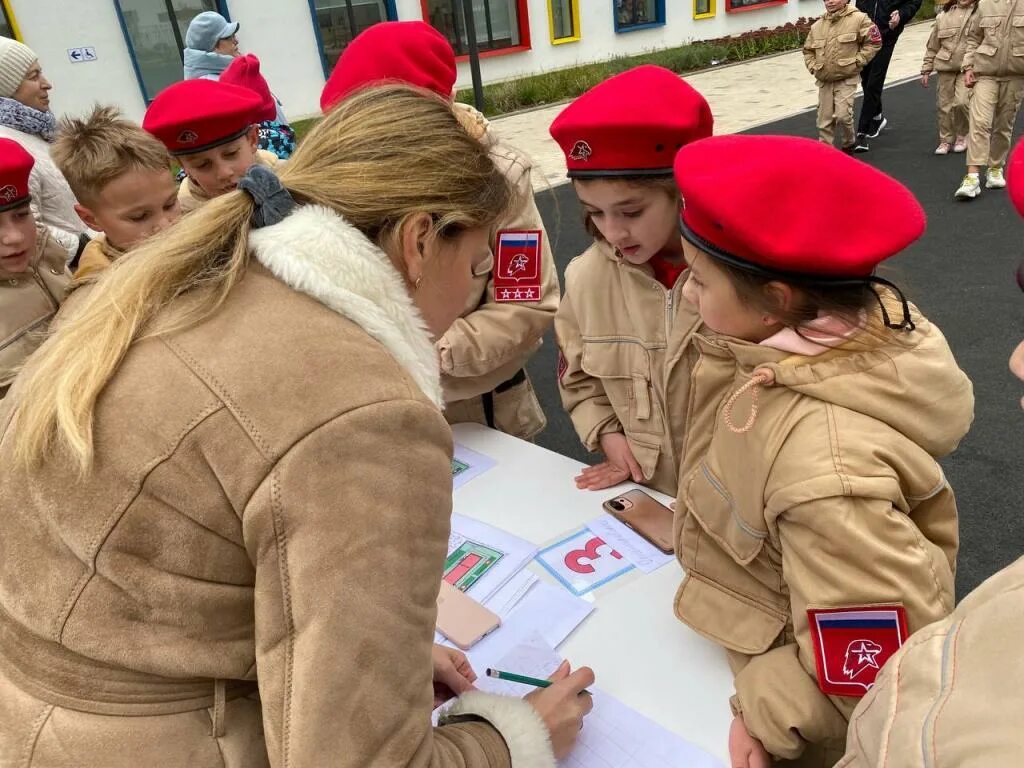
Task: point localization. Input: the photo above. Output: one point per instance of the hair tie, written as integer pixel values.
(273, 201)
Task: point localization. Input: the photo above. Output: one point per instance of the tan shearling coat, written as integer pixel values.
(191, 195)
(625, 359)
(248, 574)
(953, 697)
(28, 302)
(840, 44)
(491, 342)
(995, 39)
(832, 498)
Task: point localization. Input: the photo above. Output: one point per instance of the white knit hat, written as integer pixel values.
(16, 59)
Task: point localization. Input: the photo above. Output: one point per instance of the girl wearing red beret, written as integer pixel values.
(813, 521)
(623, 327)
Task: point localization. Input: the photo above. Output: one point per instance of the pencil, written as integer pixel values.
(512, 677)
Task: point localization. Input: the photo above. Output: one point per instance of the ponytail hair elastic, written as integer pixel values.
(273, 202)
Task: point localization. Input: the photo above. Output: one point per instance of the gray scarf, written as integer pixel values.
(16, 115)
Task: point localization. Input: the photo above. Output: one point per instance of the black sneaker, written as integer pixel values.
(882, 122)
(860, 144)
(849, 148)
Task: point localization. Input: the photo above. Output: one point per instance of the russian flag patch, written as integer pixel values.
(517, 266)
(852, 644)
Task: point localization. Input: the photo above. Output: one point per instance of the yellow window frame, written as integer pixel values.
(9, 15)
(712, 8)
(577, 24)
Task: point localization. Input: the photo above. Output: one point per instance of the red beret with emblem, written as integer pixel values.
(15, 167)
(245, 72)
(1015, 177)
(196, 115)
(785, 206)
(410, 52)
(631, 124)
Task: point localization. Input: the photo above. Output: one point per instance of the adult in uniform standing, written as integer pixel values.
(515, 293)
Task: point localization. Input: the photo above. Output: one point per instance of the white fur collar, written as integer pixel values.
(317, 252)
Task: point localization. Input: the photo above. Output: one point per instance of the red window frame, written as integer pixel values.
(729, 8)
(523, 15)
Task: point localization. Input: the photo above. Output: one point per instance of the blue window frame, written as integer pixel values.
(154, 31)
(631, 15)
(337, 22)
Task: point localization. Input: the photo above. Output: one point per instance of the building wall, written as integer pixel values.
(281, 33)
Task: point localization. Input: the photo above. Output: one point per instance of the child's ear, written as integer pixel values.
(781, 297)
(86, 215)
(254, 136)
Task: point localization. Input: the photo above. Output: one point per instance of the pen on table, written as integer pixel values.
(512, 677)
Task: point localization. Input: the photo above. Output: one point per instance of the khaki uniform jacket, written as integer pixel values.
(626, 358)
(839, 44)
(191, 195)
(995, 39)
(492, 341)
(832, 498)
(28, 302)
(97, 256)
(269, 508)
(947, 43)
(954, 695)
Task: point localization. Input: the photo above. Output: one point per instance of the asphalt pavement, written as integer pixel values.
(961, 275)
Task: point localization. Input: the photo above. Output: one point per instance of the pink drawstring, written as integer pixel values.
(760, 377)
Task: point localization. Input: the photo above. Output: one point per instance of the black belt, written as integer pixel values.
(488, 397)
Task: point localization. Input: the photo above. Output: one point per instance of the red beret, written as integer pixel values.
(244, 71)
(1015, 177)
(631, 124)
(789, 206)
(410, 52)
(15, 166)
(196, 115)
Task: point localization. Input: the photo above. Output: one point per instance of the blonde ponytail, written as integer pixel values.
(379, 157)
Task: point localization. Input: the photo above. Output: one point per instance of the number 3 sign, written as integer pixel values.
(583, 562)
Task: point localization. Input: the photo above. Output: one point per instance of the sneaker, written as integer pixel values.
(860, 144)
(961, 144)
(994, 179)
(943, 148)
(969, 189)
(882, 122)
(849, 148)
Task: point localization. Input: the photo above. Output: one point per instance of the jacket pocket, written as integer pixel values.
(624, 368)
(819, 50)
(1017, 36)
(710, 503)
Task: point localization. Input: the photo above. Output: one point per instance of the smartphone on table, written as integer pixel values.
(462, 619)
(644, 515)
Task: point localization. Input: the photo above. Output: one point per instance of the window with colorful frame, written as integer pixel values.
(502, 26)
(337, 22)
(704, 9)
(631, 15)
(8, 27)
(564, 21)
(736, 6)
(154, 31)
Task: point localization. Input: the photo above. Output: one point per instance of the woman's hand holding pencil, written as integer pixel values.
(563, 704)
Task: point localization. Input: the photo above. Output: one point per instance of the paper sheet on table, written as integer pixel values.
(583, 562)
(467, 464)
(632, 545)
(614, 735)
(481, 558)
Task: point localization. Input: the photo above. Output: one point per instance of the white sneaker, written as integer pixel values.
(943, 148)
(994, 179)
(961, 144)
(970, 187)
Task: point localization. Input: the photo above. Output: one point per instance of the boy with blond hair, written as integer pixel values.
(122, 178)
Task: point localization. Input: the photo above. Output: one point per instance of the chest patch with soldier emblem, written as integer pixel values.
(517, 258)
(852, 644)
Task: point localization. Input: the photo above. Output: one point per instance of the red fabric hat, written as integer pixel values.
(15, 166)
(1015, 177)
(196, 115)
(244, 71)
(410, 52)
(792, 207)
(631, 124)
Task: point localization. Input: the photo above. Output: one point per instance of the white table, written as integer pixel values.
(640, 652)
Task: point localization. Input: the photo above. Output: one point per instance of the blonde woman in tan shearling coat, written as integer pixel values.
(226, 480)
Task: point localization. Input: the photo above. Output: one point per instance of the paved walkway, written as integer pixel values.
(741, 95)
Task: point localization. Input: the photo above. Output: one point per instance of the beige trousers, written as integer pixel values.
(993, 112)
(835, 110)
(952, 99)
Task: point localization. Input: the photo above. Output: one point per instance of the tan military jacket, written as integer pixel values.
(97, 256)
(831, 498)
(191, 195)
(492, 341)
(626, 358)
(995, 39)
(840, 44)
(947, 43)
(28, 302)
